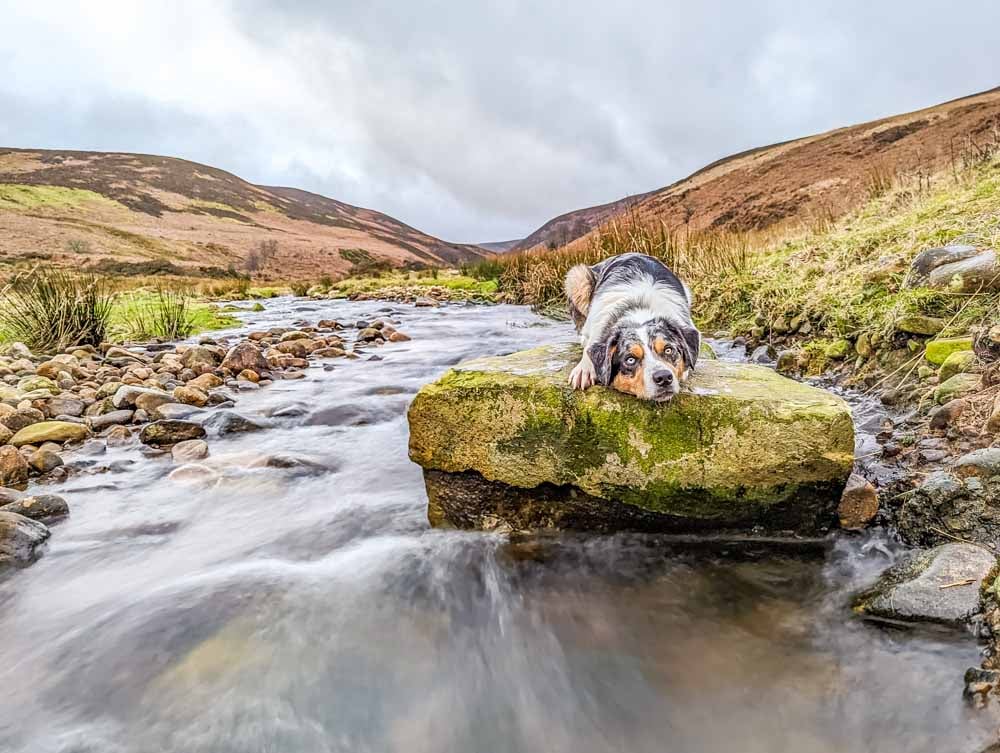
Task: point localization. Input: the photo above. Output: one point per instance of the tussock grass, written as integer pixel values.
(844, 275)
(51, 310)
(166, 314)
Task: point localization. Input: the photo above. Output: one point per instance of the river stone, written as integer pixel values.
(14, 468)
(859, 504)
(66, 406)
(39, 507)
(245, 355)
(191, 396)
(126, 395)
(506, 439)
(938, 349)
(189, 451)
(200, 356)
(20, 537)
(45, 461)
(114, 418)
(150, 401)
(170, 432)
(940, 585)
(957, 386)
(38, 384)
(225, 422)
(176, 410)
(50, 431)
(959, 362)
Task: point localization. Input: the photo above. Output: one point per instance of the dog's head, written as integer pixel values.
(649, 360)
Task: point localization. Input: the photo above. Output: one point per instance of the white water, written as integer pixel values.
(280, 612)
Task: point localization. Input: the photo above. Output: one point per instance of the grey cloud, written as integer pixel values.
(477, 121)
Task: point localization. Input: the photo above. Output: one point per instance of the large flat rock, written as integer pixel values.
(505, 443)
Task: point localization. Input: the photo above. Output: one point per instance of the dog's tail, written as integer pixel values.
(579, 291)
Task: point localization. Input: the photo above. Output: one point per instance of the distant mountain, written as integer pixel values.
(499, 247)
(143, 212)
(816, 177)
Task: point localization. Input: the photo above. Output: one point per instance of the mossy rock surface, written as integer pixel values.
(741, 447)
(50, 431)
(959, 362)
(938, 350)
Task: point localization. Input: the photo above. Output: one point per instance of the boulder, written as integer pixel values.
(959, 362)
(977, 273)
(39, 507)
(50, 431)
(225, 422)
(245, 355)
(962, 502)
(200, 356)
(957, 386)
(938, 350)
(189, 451)
(190, 396)
(505, 441)
(170, 432)
(941, 585)
(45, 461)
(20, 538)
(114, 418)
(931, 258)
(66, 406)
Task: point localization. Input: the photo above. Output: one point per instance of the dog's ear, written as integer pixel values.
(601, 355)
(692, 343)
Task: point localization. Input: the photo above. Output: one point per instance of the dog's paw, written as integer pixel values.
(583, 375)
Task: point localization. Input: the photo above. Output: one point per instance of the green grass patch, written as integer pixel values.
(29, 197)
(145, 314)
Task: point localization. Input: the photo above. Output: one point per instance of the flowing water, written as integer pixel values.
(296, 609)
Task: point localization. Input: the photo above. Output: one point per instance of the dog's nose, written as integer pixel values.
(663, 378)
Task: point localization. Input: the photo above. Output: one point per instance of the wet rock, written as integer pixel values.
(43, 507)
(44, 461)
(938, 349)
(863, 345)
(119, 436)
(289, 462)
(171, 411)
(152, 400)
(350, 415)
(399, 337)
(121, 356)
(947, 414)
(859, 503)
(225, 422)
(5, 435)
(114, 418)
(296, 348)
(742, 447)
(957, 386)
(940, 585)
(190, 396)
(14, 468)
(170, 432)
(9, 495)
(984, 463)
(959, 362)
(194, 474)
(20, 538)
(50, 431)
(763, 354)
(918, 324)
(245, 355)
(189, 451)
(370, 334)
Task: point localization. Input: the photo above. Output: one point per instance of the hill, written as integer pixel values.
(819, 177)
(135, 213)
(500, 247)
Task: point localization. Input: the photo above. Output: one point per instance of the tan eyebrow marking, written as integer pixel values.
(659, 344)
(637, 351)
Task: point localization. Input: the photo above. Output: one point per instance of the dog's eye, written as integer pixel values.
(668, 349)
(631, 361)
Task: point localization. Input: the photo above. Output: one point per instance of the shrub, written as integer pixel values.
(300, 289)
(50, 311)
(167, 315)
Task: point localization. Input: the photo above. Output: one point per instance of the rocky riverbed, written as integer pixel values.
(273, 583)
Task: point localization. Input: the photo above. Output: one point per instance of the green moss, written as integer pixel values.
(742, 438)
(959, 362)
(938, 350)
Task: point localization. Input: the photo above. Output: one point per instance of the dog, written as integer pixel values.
(634, 319)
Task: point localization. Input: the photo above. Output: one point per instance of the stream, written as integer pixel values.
(310, 608)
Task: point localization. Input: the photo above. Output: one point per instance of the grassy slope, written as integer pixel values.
(848, 279)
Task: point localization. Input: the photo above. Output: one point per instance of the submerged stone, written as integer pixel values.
(939, 585)
(506, 443)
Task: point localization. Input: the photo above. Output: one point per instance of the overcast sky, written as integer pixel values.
(474, 120)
